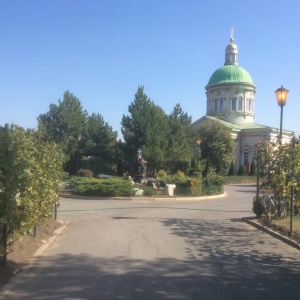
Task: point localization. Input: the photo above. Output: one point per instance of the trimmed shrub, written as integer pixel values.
(179, 174)
(257, 207)
(232, 171)
(148, 191)
(252, 169)
(162, 174)
(101, 187)
(157, 182)
(85, 173)
(241, 171)
(189, 186)
(239, 179)
(195, 185)
(212, 183)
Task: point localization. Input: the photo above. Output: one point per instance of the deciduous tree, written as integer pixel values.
(217, 146)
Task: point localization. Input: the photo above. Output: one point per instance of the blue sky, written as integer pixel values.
(101, 51)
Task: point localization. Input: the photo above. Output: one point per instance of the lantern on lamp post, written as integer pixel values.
(281, 95)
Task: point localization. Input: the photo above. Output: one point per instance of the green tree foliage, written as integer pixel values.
(274, 167)
(181, 141)
(146, 127)
(30, 176)
(232, 170)
(252, 168)
(99, 146)
(241, 171)
(217, 146)
(206, 167)
(87, 141)
(64, 124)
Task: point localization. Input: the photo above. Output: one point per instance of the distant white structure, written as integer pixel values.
(230, 100)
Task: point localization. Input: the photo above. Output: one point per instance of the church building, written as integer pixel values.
(230, 100)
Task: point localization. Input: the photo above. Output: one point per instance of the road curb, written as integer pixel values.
(137, 198)
(7, 288)
(252, 221)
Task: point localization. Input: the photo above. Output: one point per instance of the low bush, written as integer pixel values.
(159, 182)
(186, 186)
(189, 186)
(241, 171)
(239, 179)
(85, 173)
(213, 183)
(148, 191)
(101, 187)
(257, 207)
(104, 176)
(72, 182)
(162, 174)
(212, 190)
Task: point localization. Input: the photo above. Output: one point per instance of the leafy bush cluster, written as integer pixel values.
(30, 177)
(278, 167)
(113, 187)
(239, 179)
(270, 207)
(189, 186)
(159, 182)
(85, 173)
(213, 183)
(148, 190)
(162, 174)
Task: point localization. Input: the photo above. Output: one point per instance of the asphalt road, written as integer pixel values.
(163, 250)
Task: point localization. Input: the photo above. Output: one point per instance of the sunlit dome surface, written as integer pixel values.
(230, 74)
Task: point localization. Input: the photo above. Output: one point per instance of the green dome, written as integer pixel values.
(230, 74)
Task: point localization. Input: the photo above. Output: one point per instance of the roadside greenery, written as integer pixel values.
(167, 142)
(217, 147)
(30, 177)
(239, 179)
(87, 141)
(117, 187)
(213, 183)
(278, 168)
(113, 187)
(282, 225)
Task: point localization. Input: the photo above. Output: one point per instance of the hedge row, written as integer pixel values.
(30, 177)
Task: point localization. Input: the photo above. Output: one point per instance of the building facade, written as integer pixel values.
(230, 100)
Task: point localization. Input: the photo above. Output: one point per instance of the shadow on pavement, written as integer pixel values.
(220, 264)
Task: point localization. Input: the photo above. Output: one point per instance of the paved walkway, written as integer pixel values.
(163, 250)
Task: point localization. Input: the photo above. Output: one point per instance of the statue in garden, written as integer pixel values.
(139, 168)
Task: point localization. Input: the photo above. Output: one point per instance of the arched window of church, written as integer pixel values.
(246, 157)
(240, 104)
(221, 104)
(216, 104)
(233, 103)
(249, 104)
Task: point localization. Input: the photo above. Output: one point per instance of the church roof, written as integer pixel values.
(248, 126)
(230, 74)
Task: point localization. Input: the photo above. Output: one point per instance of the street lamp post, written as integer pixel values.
(292, 188)
(198, 142)
(281, 95)
(78, 139)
